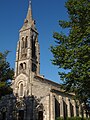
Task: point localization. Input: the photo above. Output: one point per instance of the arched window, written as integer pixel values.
(21, 89)
(72, 110)
(34, 67)
(65, 110)
(21, 66)
(57, 109)
(21, 115)
(26, 43)
(40, 115)
(3, 115)
(33, 48)
(22, 42)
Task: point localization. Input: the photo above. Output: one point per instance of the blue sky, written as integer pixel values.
(46, 13)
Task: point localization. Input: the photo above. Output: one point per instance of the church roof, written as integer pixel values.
(56, 87)
(48, 81)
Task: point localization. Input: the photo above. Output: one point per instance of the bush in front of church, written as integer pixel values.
(73, 118)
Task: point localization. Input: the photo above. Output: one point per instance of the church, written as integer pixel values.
(35, 97)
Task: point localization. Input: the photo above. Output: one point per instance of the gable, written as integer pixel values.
(21, 78)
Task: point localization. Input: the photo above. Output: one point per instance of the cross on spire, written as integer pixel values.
(30, 3)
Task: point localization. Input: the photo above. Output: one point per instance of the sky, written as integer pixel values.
(46, 13)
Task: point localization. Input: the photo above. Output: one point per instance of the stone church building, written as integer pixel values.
(35, 98)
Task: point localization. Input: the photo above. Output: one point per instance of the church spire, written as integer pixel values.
(29, 13)
(28, 22)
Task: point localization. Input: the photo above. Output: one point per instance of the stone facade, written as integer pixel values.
(35, 98)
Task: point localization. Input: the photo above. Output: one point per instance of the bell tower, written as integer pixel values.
(28, 55)
(27, 63)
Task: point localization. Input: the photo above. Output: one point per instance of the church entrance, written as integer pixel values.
(3, 115)
(21, 115)
(40, 115)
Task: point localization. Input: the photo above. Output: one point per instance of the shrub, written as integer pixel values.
(73, 118)
(59, 118)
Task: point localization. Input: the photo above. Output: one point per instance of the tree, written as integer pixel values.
(72, 51)
(6, 74)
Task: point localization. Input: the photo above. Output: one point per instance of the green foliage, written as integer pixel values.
(6, 73)
(72, 51)
(73, 118)
(60, 118)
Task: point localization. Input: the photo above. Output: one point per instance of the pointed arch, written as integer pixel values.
(22, 44)
(26, 42)
(57, 108)
(71, 110)
(33, 47)
(40, 115)
(65, 109)
(21, 66)
(21, 89)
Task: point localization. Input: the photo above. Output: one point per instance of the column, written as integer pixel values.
(52, 107)
(60, 102)
(85, 114)
(15, 69)
(80, 111)
(68, 106)
(74, 106)
(61, 107)
(48, 107)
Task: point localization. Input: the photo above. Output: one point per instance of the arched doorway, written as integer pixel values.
(40, 115)
(4, 116)
(21, 115)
